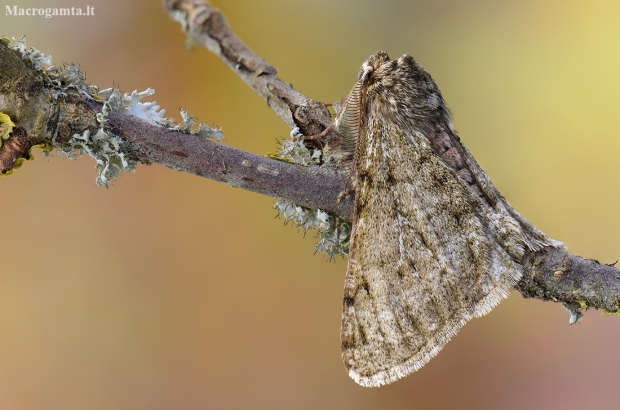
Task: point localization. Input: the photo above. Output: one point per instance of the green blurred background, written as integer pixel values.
(172, 291)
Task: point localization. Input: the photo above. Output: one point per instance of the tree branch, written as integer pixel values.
(553, 274)
(24, 98)
(312, 187)
(44, 115)
(207, 26)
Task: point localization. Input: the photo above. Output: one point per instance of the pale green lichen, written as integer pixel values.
(69, 77)
(334, 232)
(203, 131)
(294, 150)
(180, 17)
(575, 310)
(130, 103)
(60, 79)
(34, 56)
(103, 146)
(107, 148)
(151, 111)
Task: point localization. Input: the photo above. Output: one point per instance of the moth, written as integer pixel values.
(433, 242)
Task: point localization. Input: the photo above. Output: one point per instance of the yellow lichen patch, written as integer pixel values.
(275, 155)
(583, 304)
(6, 127)
(19, 162)
(44, 147)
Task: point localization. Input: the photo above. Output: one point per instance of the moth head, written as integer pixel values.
(367, 74)
(400, 86)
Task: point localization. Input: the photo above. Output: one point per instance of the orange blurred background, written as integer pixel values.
(172, 291)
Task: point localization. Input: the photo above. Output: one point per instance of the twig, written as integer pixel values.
(312, 187)
(551, 274)
(207, 26)
(24, 98)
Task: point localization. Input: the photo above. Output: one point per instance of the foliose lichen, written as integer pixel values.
(294, 150)
(575, 310)
(108, 150)
(34, 56)
(203, 131)
(103, 146)
(334, 232)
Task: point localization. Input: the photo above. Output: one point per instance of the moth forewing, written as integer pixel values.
(426, 254)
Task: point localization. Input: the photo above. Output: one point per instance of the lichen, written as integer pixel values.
(575, 310)
(180, 16)
(148, 111)
(334, 232)
(106, 148)
(6, 127)
(615, 312)
(294, 150)
(32, 55)
(203, 131)
(68, 78)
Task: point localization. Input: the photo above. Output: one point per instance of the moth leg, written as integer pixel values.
(319, 138)
(347, 190)
(345, 194)
(296, 134)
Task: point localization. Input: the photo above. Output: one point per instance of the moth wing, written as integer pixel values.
(422, 259)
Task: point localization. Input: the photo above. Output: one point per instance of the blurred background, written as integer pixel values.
(172, 291)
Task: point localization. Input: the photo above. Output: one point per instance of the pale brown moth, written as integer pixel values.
(433, 242)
